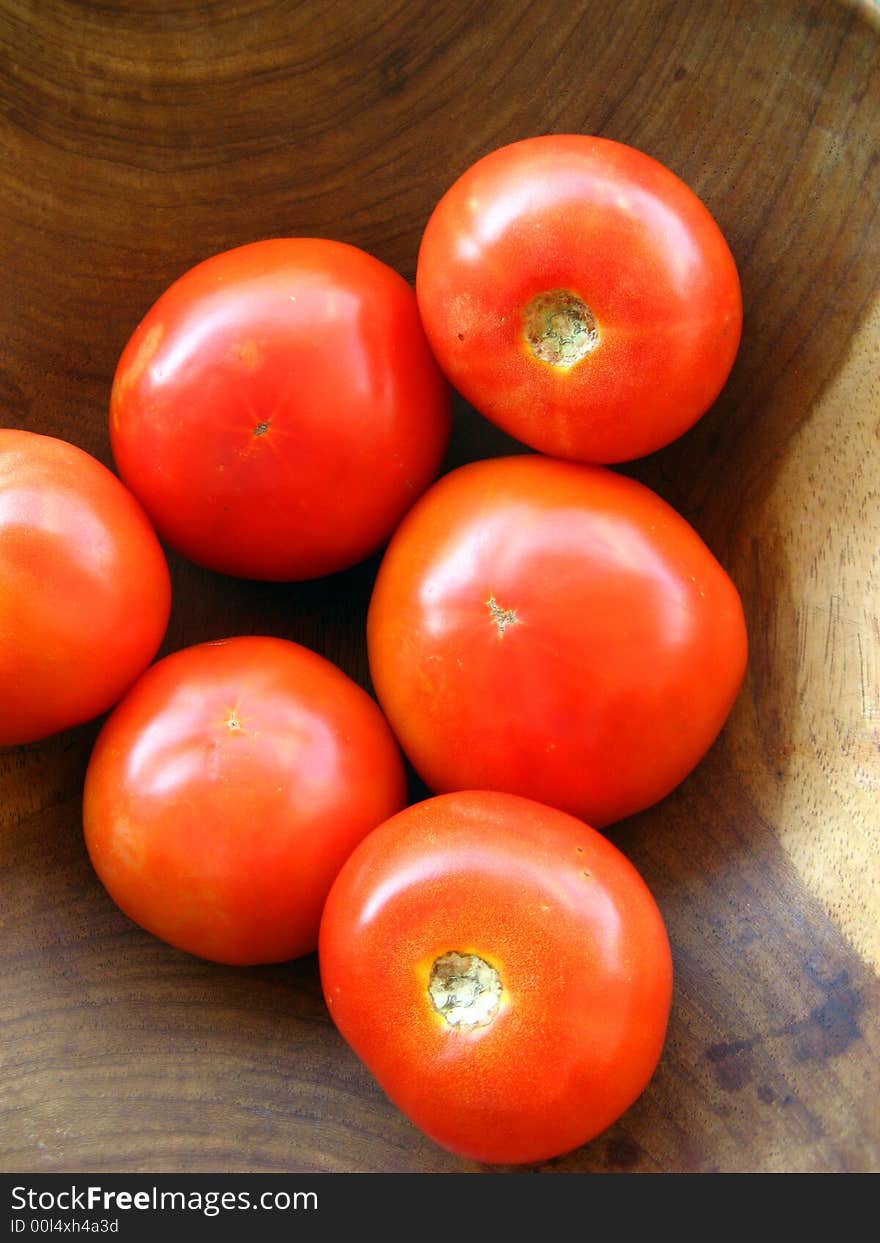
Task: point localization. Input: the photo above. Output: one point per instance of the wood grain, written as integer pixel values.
(137, 138)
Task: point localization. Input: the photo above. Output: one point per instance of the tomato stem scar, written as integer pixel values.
(262, 428)
(560, 328)
(464, 989)
(501, 617)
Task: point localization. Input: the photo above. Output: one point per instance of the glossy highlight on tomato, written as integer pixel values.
(580, 296)
(85, 592)
(227, 789)
(502, 970)
(554, 630)
(278, 409)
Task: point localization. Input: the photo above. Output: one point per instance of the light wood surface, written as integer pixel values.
(136, 139)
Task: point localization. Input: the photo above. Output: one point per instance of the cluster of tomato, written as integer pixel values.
(552, 646)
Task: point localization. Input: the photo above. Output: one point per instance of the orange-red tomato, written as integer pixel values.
(555, 630)
(84, 587)
(503, 971)
(227, 789)
(580, 296)
(278, 410)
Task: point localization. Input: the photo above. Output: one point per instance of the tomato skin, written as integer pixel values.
(555, 630)
(85, 595)
(575, 936)
(619, 230)
(227, 789)
(278, 409)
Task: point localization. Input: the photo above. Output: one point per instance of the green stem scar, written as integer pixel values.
(501, 617)
(560, 328)
(464, 989)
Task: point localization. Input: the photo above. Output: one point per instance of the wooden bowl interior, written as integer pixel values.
(134, 146)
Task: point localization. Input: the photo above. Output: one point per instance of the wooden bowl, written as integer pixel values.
(136, 141)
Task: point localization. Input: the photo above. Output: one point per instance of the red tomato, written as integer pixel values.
(555, 630)
(502, 970)
(278, 410)
(227, 789)
(580, 296)
(85, 587)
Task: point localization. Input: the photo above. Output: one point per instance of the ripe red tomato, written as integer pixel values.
(227, 789)
(502, 970)
(85, 587)
(278, 409)
(555, 630)
(580, 296)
